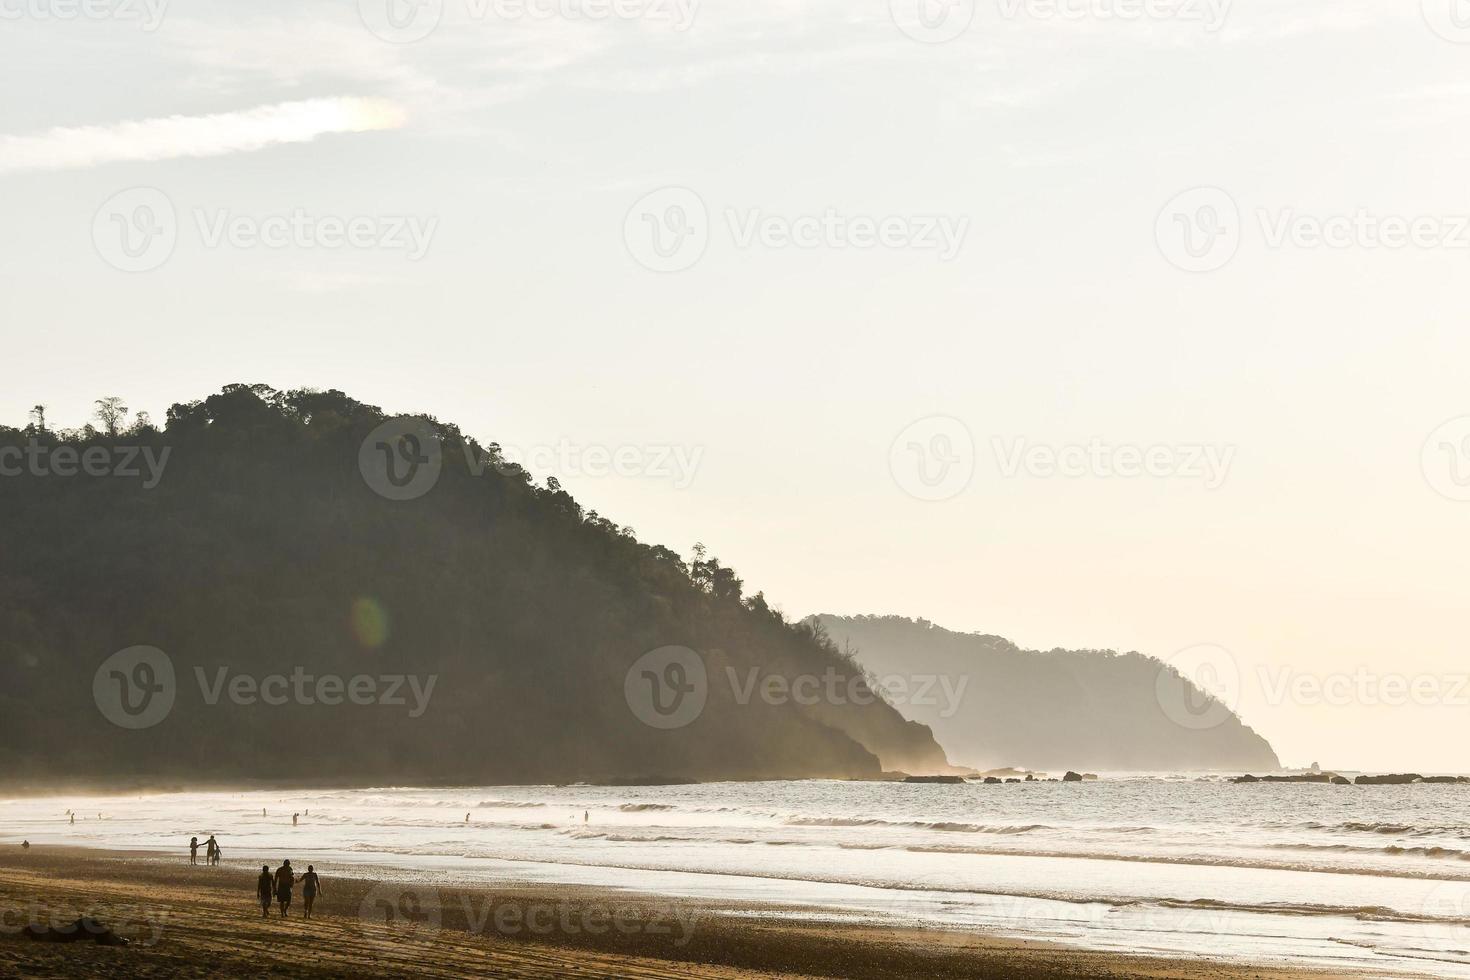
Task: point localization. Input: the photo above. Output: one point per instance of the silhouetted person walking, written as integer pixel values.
(285, 882)
(193, 850)
(211, 851)
(263, 889)
(295, 818)
(311, 885)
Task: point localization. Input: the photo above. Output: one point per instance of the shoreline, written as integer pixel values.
(189, 920)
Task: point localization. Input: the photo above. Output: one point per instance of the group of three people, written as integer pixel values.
(279, 887)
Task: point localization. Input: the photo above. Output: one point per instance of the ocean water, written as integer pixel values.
(1357, 878)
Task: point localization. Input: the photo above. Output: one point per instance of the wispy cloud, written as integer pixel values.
(196, 136)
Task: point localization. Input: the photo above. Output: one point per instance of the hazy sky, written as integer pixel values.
(842, 256)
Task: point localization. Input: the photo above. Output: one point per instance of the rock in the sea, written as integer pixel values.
(1072, 777)
(1396, 779)
(1303, 777)
(992, 780)
(1341, 781)
(947, 780)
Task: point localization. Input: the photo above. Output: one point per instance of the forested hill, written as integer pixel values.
(485, 630)
(1056, 710)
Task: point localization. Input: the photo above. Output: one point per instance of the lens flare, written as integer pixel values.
(369, 622)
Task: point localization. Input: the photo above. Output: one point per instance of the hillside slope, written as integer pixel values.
(264, 552)
(1063, 709)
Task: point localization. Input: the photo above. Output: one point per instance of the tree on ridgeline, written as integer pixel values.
(111, 412)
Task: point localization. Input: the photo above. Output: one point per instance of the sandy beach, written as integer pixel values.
(188, 921)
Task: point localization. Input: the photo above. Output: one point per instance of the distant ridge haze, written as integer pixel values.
(1053, 710)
